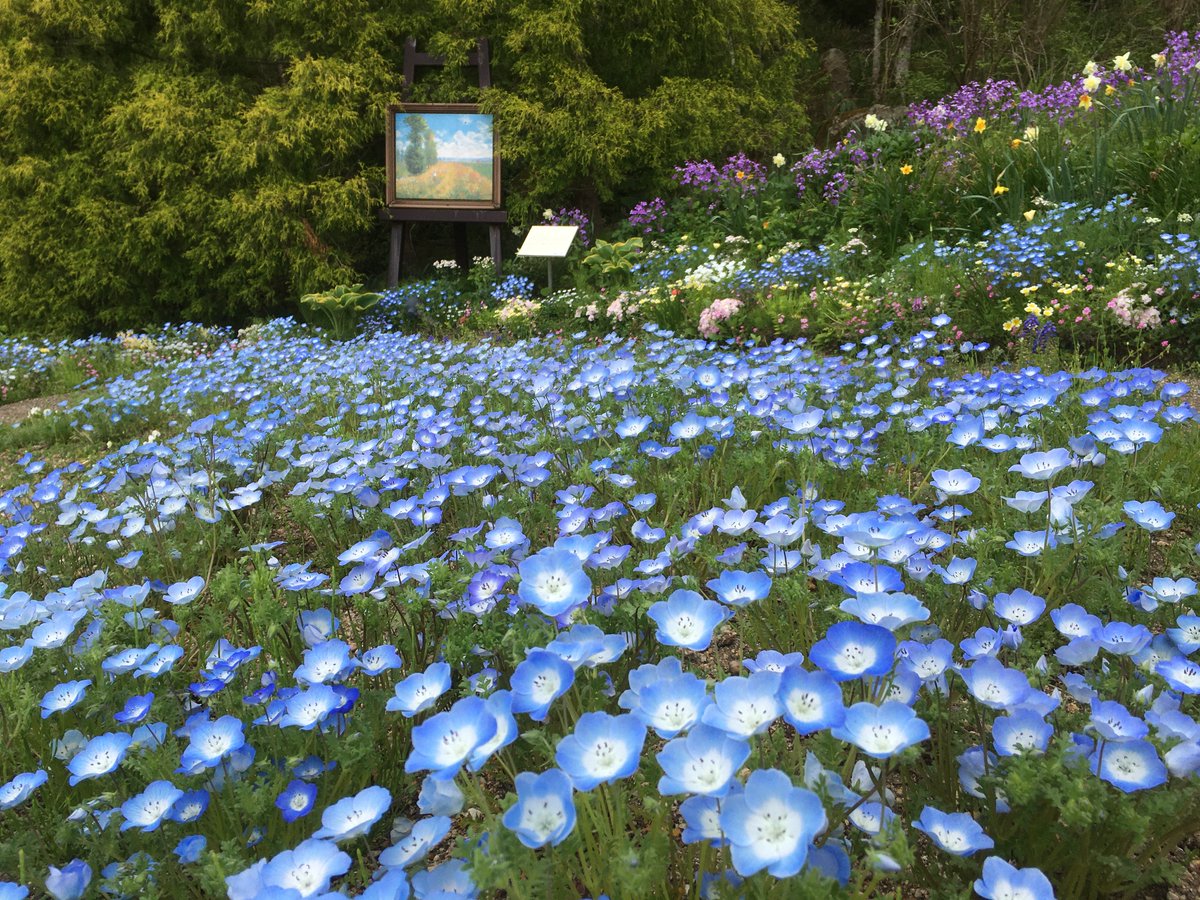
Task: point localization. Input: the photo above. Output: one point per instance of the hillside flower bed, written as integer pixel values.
(637, 616)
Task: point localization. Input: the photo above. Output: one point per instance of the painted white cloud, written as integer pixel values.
(466, 145)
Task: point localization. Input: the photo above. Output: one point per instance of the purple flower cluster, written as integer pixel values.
(649, 216)
(739, 173)
(574, 217)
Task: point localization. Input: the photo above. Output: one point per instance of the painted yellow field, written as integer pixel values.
(448, 181)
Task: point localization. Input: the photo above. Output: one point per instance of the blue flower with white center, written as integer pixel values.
(545, 809)
(744, 706)
(741, 588)
(499, 706)
(954, 482)
(702, 819)
(378, 660)
(540, 679)
(10, 890)
(812, 701)
(771, 824)
(189, 807)
(353, 817)
(1003, 881)
(1113, 722)
(415, 846)
(686, 619)
(184, 592)
(553, 581)
(70, 882)
(136, 709)
(99, 756)
(419, 691)
(443, 743)
(148, 809)
(1019, 607)
(1180, 673)
(673, 704)
(1149, 515)
(327, 663)
(506, 535)
(307, 869)
(1021, 731)
(995, 685)
(296, 800)
(927, 661)
(853, 650)
(1043, 466)
(62, 697)
(957, 571)
(772, 661)
(450, 879)
(189, 849)
(440, 798)
(211, 742)
(1073, 621)
(601, 749)
(704, 762)
(316, 625)
(1129, 765)
(21, 788)
(955, 833)
(888, 610)
(161, 662)
(881, 731)
(12, 658)
(1123, 639)
(309, 709)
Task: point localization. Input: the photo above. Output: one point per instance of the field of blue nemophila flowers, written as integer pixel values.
(639, 617)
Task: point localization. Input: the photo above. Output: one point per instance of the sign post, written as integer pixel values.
(549, 241)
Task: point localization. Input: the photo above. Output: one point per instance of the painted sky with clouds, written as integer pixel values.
(461, 136)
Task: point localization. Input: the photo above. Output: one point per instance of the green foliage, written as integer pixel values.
(612, 263)
(340, 309)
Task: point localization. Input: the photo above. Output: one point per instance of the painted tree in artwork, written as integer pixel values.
(420, 152)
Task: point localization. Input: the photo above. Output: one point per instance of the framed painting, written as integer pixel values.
(442, 155)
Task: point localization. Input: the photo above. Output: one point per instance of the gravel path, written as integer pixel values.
(12, 413)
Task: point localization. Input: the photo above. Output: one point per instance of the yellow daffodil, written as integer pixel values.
(1015, 143)
(980, 126)
(999, 189)
(1109, 90)
(1091, 84)
(1090, 68)
(1122, 63)
(1032, 132)
(906, 169)
(1160, 60)
(1085, 101)
(1029, 214)
(779, 160)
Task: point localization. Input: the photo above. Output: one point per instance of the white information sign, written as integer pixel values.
(548, 240)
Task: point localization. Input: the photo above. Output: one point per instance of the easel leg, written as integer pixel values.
(395, 254)
(494, 240)
(461, 254)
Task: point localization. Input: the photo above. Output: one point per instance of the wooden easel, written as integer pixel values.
(401, 219)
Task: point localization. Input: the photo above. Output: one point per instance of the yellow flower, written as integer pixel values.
(906, 169)
(1160, 59)
(1032, 132)
(1015, 143)
(1109, 90)
(779, 160)
(1122, 63)
(1091, 84)
(1012, 325)
(1047, 312)
(1090, 68)
(1028, 214)
(739, 175)
(980, 126)
(1085, 101)
(999, 189)
(1032, 308)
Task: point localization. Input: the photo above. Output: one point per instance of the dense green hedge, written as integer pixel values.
(213, 159)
